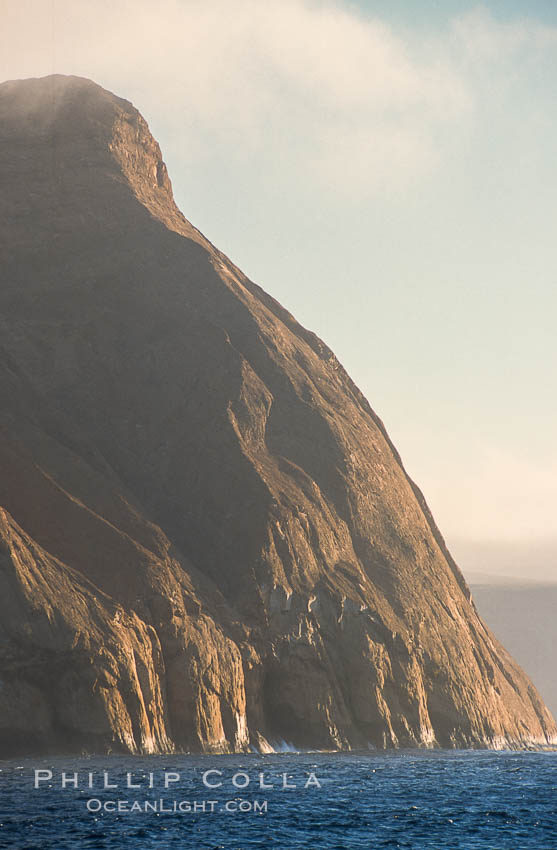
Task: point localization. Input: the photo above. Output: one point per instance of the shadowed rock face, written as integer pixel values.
(207, 540)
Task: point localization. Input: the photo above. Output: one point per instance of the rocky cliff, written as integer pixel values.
(207, 539)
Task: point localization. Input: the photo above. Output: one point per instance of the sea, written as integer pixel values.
(418, 800)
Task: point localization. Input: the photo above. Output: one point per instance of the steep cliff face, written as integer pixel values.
(207, 539)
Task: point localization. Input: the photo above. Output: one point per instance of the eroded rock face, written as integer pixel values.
(207, 539)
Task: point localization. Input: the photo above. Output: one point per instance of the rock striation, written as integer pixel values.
(207, 540)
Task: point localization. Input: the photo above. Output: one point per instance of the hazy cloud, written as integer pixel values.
(349, 99)
(344, 98)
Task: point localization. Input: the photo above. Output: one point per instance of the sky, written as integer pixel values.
(387, 171)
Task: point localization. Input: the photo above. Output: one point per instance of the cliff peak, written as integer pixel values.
(70, 104)
(70, 126)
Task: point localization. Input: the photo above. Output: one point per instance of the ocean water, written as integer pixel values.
(417, 800)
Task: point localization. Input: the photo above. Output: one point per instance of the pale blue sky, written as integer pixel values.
(426, 13)
(387, 170)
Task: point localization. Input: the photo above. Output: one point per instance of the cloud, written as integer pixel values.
(316, 87)
(343, 96)
(482, 39)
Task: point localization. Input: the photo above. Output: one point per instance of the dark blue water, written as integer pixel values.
(486, 800)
